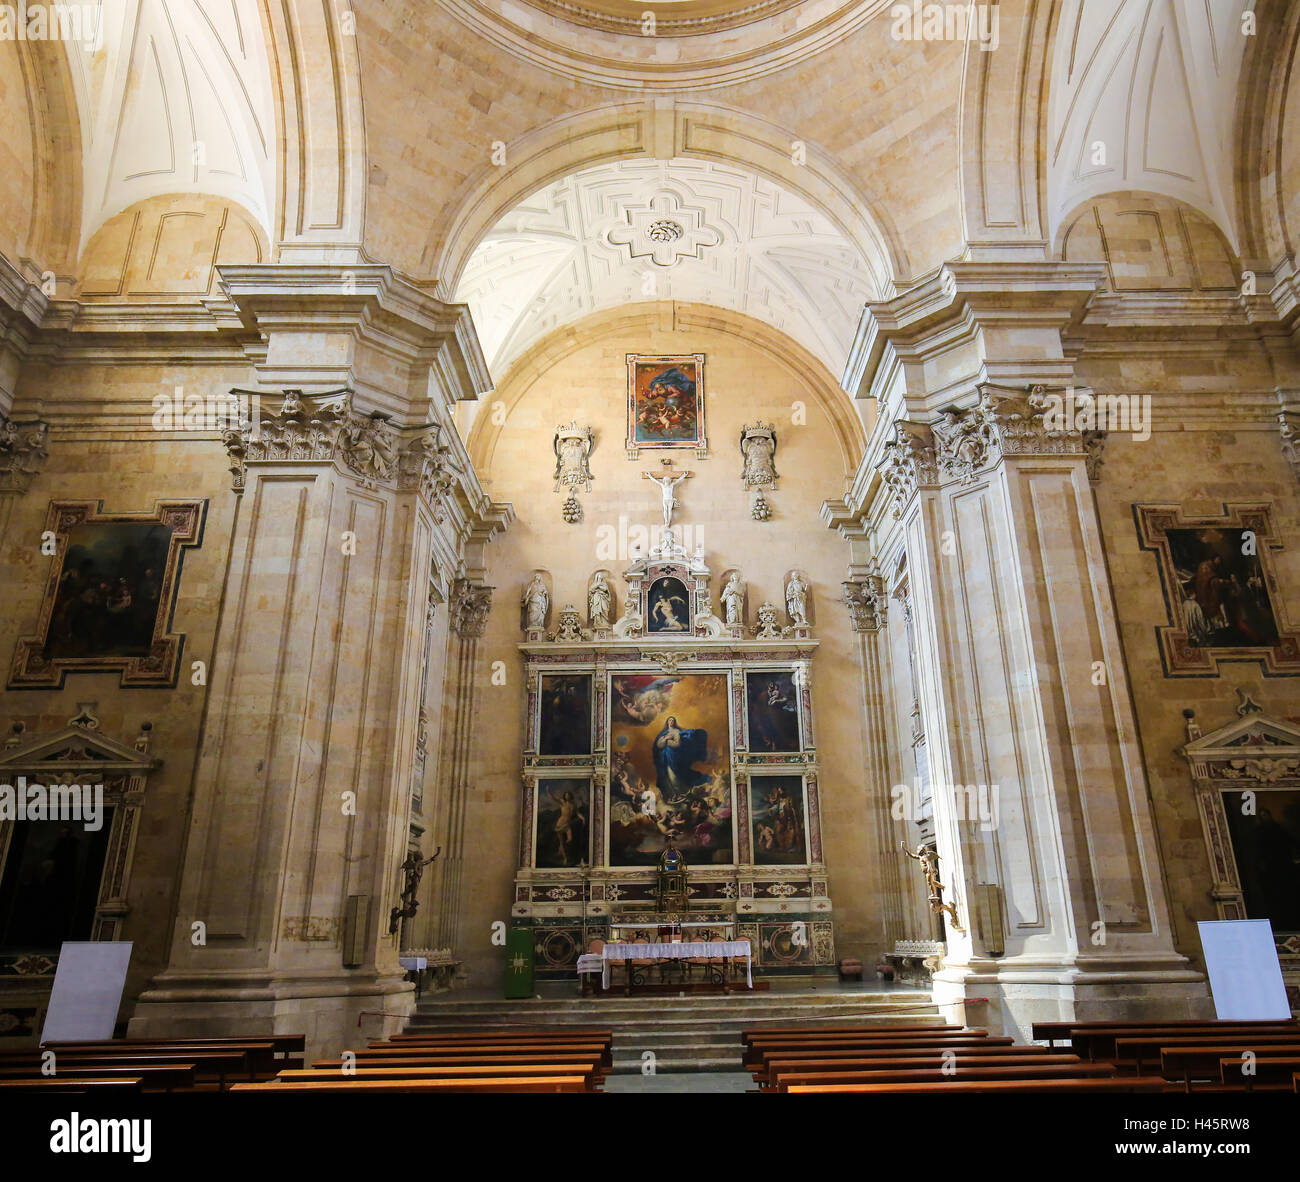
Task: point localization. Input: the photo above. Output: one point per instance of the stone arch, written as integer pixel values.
(482, 432)
(690, 130)
(1149, 242)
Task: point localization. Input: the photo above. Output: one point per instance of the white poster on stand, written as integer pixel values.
(1245, 975)
(87, 991)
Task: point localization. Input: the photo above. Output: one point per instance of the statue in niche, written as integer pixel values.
(536, 600)
(572, 450)
(796, 599)
(767, 625)
(599, 601)
(758, 447)
(733, 600)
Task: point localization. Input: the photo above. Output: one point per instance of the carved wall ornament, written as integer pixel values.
(758, 472)
(909, 463)
(768, 628)
(1094, 445)
(572, 445)
(570, 628)
(470, 604)
(425, 464)
(23, 448)
(963, 443)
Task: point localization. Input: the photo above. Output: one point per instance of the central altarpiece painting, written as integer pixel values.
(701, 740)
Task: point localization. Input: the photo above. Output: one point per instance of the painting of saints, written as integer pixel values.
(562, 807)
(773, 711)
(669, 606)
(777, 817)
(1225, 603)
(565, 711)
(1266, 845)
(665, 401)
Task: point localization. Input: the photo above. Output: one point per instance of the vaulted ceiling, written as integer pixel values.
(1144, 96)
(177, 100)
(681, 230)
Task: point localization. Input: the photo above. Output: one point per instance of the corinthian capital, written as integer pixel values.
(22, 451)
(865, 597)
(470, 604)
(909, 462)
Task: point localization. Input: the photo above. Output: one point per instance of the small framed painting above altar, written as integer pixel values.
(646, 743)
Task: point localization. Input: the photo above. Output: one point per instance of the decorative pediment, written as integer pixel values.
(78, 746)
(1254, 747)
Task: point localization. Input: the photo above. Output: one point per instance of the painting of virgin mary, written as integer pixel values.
(676, 751)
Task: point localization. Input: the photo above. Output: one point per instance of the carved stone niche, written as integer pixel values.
(78, 754)
(668, 594)
(1250, 766)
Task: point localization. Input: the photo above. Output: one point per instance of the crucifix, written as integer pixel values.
(667, 483)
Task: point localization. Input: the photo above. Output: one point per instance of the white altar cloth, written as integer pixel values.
(703, 949)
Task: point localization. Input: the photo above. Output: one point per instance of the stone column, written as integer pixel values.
(349, 504)
(1042, 819)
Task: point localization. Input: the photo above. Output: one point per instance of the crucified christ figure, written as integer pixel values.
(667, 483)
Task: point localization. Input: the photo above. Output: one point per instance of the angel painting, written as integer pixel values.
(665, 401)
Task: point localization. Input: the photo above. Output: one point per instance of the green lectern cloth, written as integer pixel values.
(519, 962)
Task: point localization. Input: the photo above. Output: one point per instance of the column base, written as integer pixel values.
(335, 1014)
(1008, 997)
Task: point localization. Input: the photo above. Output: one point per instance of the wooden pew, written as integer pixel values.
(218, 1064)
(747, 1036)
(755, 1054)
(261, 1053)
(774, 1068)
(162, 1078)
(1192, 1064)
(1121, 1083)
(937, 1075)
(1100, 1043)
(544, 1083)
(1131, 1053)
(1053, 1032)
(833, 1058)
(591, 1075)
(89, 1084)
(579, 1060)
(1269, 1074)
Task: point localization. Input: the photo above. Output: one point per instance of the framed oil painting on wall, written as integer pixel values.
(1266, 848)
(564, 714)
(778, 817)
(1220, 589)
(111, 594)
(670, 768)
(665, 401)
(772, 709)
(563, 813)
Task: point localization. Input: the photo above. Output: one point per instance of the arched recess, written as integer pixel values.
(483, 431)
(46, 239)
(1003, 132)
(1268, 137)
(1149, 242)
(664, 131)
(321, 172)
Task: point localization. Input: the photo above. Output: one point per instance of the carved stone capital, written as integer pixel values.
(1094, 444)
(865, 597)
(1289, 430)
(22, 451)
(425, 465)
(470, 604)
(910, 463)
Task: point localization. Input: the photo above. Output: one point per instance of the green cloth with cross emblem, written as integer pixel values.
(519, 962)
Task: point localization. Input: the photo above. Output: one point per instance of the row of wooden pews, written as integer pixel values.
(1189, 1055)
(149, 1065)
(554, 1059)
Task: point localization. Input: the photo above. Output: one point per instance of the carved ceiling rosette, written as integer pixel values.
(22, 451)
(910, 463)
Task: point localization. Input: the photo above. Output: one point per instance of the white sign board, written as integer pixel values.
(87, 991)
(1245, 975)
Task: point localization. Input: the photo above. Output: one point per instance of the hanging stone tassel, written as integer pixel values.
(572, 509)
(759, 508)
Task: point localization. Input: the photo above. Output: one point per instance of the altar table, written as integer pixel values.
(724, 950)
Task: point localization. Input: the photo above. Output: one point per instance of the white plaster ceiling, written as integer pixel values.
(680, 229)
(1155, 81)
(176, 99)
